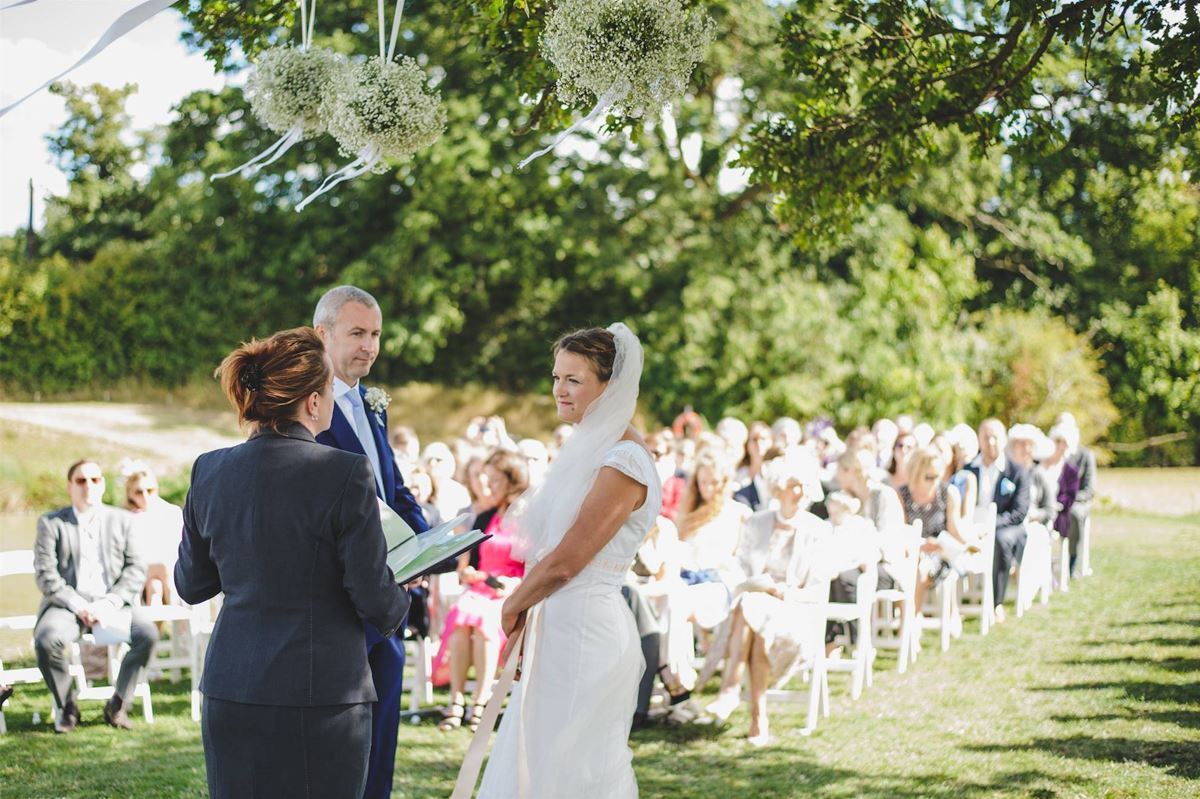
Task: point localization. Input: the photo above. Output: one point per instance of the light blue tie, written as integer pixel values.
(365, 436)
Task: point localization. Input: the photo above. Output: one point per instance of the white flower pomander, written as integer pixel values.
(638, 54)
(377, 400)
(383, 108)
(288, 85)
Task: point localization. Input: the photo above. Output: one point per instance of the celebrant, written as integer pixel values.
(290, 531)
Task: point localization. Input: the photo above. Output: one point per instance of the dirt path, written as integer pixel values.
(174, 437)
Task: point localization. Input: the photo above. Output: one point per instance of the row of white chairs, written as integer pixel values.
(885, 618)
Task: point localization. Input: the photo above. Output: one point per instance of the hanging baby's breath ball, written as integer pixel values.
(289, 84)
(383, 108)
(638, 54)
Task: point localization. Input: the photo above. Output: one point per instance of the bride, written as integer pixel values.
(566, 729)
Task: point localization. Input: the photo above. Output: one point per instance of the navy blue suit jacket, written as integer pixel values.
(1011, 496)
(341, 435)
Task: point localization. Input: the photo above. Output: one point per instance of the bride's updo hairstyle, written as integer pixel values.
(595, 344)
(267, 381)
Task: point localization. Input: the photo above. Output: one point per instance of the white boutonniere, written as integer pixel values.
(377, 400)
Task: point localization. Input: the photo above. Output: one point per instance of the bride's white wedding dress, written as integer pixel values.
(565, 732)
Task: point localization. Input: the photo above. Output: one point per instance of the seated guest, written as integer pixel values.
(1023, 441)
(421, 485)
(538, 459)
(471, 635)
(651, 580)
(1064, 476)
(898, 468)
(683, 451)
(885, 432)
(89, 568)
(880, 506)
(289, 530)
(926, 495)
(1006, 484)
(709, 524)
(1084, 461)
(447, 494)
(777, 596)
(752, 491)
(734, 434)
(158, 526)
(407, 447)
(964, 446)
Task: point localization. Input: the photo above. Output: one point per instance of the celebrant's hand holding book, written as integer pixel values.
(411, 556)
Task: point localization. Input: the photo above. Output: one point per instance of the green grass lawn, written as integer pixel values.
(1096, 695)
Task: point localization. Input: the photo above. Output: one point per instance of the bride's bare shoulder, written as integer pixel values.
(632, 434)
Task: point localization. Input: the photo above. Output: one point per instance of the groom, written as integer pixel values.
(349, 321)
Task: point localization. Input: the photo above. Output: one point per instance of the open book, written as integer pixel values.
(410, 555)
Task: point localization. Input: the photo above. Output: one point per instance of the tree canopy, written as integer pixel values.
(846, 216)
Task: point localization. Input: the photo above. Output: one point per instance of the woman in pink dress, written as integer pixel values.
(472, 635)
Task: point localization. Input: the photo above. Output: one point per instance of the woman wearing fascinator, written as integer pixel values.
(565, 731)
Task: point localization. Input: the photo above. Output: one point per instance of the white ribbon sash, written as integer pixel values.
(124, 24)
(468, 772)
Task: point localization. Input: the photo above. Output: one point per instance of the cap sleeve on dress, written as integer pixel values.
(629, 459)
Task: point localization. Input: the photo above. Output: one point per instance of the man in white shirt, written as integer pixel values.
(88, 567)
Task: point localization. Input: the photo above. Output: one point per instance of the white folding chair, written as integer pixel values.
(420, 690)
(812, 665)
(1036, 573)
(893, 617)
(858, 665)
(942, 613)
(17, 563)
(1085, 548)
(1062, 545)
(977, 595)
(85, 691)
(203, 621)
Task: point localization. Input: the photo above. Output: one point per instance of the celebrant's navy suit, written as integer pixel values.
(289, 530)
(385, 654)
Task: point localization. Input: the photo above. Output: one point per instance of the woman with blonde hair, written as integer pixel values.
(928, 496)
(157, 525)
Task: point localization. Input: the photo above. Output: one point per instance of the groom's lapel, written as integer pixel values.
(343, 433)
(387, 460)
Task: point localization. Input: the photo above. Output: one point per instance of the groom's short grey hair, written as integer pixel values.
(329, 307)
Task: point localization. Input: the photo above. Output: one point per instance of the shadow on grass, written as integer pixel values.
(783, 771)
(1184, 718)
(1181, 665)
(1144, 642)
(1179, 758)
(1141, 690)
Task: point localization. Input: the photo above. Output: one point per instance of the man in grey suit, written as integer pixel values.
(88, 568)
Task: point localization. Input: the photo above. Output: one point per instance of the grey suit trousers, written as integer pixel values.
(279, 752)
(58, 628)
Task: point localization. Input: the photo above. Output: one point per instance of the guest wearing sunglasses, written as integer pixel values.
(89, 568)
(158, 526)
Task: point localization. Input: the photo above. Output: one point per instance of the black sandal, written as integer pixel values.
(676, 698)
(452, 718)
(476, 716)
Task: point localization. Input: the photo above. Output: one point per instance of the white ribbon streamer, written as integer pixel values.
(18, 3)
(602, 105)
(366, 161)
(271, 155)
(123, 25)
(294, 135)
(468, 772)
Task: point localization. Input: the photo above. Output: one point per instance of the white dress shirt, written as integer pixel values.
(989, 478)
(91, 581)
